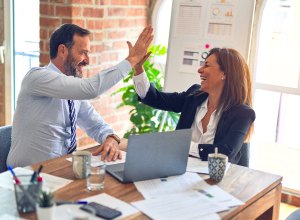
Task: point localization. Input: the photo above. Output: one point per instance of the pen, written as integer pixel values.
(39, 179)
(70, 202)
(12, 171)
(36, 174)
(33, 177)
(18, 182)
(40, 169)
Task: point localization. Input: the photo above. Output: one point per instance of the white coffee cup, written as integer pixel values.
(81, 162)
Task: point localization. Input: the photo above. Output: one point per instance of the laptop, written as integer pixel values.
(154, 155)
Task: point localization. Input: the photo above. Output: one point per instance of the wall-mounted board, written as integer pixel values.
(196, 27)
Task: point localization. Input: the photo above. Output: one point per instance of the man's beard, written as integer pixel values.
(70, 67)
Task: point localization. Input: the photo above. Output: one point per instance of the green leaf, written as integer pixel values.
(144, 118)
(120, 90)
(46, 199)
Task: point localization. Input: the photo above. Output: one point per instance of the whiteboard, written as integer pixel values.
(196, 27)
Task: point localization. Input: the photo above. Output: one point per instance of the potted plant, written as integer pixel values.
(144, 118)
(45, 206)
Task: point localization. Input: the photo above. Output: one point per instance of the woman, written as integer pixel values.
(219, 111)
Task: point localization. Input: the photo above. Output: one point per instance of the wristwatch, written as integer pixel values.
(116, 137)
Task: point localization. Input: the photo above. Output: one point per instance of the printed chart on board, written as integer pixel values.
(196, 27)
(192, 57)
(221, 20)
(189, 17)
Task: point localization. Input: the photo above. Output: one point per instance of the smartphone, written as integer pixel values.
(101, 210)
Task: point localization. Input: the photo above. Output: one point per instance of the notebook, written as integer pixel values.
(154, 155)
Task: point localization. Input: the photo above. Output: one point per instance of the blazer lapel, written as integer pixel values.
(221, 125)
(188, 118)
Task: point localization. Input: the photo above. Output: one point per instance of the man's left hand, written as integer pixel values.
(111, 146)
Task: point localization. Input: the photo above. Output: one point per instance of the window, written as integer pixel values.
(22, 43)
(26, 39)
(274, 145)
(161, 23)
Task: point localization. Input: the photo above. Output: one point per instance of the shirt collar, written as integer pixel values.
(52, 66)
(204, 105)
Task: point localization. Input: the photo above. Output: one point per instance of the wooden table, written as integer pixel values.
(260, 191)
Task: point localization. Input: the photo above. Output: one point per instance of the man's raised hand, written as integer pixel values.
(140, 48)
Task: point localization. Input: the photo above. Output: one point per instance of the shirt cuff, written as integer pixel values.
(194, 151)
(104, 137)
(141, 84)
(125, 67)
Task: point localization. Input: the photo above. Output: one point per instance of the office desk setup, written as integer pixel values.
(260, 191)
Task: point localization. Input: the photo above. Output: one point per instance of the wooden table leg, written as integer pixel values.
(273, 212)
(265, 208)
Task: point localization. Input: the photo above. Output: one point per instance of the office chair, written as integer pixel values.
(5, 143)
(245, 150)
(294, 216)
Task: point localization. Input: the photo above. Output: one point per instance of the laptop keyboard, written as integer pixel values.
(119, 173)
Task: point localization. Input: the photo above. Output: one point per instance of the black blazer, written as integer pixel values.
(232, 127)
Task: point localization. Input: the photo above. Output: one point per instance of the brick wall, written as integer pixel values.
(112, 23)
(290, 198)
(2, 95)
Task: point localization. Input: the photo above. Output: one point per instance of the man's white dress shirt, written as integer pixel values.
(41, 125)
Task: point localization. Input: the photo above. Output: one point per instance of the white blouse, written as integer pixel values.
(198, 137)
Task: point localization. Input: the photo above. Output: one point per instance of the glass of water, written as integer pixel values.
(95, 180)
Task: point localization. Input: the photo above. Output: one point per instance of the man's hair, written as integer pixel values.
(65, 35)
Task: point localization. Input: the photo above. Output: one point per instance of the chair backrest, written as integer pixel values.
(245, 150)
(5, 143)
(294, 216)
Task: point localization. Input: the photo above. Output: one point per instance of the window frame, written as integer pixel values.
(259, 8)
(8, 64)
(254, 47)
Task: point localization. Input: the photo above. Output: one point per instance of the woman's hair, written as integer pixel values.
(238, 84)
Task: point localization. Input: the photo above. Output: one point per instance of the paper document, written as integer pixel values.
(54, 183)
(203, 217)
(96, 160)
(189, 19)
(8, 203)
(50, 182)
(214, 216)
(221, 20)
(192, 58)
(196, 165)
(7, 180)
(183, 184)
(220, 196)
(10, 217)
(184, 206)
(64, 212)
(170, 185)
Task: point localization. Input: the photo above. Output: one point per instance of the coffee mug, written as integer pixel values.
(81, 161)
(217, 166)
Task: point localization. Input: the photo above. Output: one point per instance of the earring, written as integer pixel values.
(222, 79)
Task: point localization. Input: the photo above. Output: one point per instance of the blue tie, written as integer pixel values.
(72, 116)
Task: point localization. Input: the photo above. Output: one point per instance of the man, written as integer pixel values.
(53, 99)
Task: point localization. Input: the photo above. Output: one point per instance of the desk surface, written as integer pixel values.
(260, 191)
